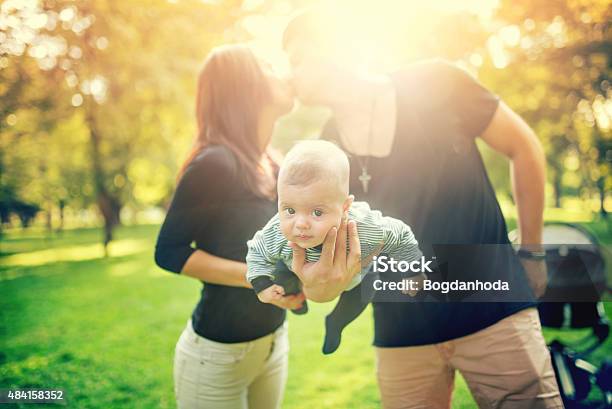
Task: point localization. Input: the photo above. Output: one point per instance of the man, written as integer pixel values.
(411, 136)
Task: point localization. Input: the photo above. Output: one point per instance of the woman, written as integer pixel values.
(233, 352)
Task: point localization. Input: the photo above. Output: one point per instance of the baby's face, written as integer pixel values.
(307, 213)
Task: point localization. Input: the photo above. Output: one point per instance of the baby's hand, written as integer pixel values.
(273, 293)
(417, 283)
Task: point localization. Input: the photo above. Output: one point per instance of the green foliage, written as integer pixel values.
(109, 112)
(558, 79)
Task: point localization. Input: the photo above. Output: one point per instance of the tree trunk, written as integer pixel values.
(109, 206)
(110, 209)
(601, 182)
(49, 218)
(61, 204)
(557, 186)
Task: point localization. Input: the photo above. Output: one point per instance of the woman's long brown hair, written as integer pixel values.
(232, 90)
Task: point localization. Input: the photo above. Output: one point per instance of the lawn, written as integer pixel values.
(105, 329)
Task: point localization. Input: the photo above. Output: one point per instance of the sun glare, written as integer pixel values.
(381, 30)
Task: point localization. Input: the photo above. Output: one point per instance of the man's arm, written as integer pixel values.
(508, 134)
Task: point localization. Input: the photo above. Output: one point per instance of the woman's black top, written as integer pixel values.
(213, 210)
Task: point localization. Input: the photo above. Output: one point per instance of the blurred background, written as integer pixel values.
(97, 114)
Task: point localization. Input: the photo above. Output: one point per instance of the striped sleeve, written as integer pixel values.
(263, 251)
(400, 242)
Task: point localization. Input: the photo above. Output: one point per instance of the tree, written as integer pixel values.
(558, 77)
(123, 76)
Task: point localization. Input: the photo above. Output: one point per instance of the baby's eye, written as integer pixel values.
(317, 212)
(290, 210)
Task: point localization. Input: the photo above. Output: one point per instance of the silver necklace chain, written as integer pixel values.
(365, 177)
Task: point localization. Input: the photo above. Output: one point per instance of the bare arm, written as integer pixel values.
(508, 134)
(216, 270)
(196, 193)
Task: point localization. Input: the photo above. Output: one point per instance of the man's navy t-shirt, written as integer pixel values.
(436, 182)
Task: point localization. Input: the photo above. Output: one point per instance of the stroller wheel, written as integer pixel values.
(603, 380)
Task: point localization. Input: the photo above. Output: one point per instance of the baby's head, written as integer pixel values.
(313, 191)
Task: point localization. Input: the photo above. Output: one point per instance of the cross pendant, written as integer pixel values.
(365, 179)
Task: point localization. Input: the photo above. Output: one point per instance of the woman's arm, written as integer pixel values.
(216, 270)
(196, 194)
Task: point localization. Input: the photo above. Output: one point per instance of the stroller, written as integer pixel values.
(576, 283)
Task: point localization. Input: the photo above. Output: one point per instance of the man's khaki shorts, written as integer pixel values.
(506, 365)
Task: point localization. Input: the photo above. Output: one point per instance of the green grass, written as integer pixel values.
(105, 329)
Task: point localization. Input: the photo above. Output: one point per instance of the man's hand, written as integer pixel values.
(537, 275)
(417, 284)
(275, 294)
(325, 279)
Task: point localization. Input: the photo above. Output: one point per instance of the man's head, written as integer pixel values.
(318, 55)
(313, 192)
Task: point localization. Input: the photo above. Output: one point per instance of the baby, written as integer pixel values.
(313, 197)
